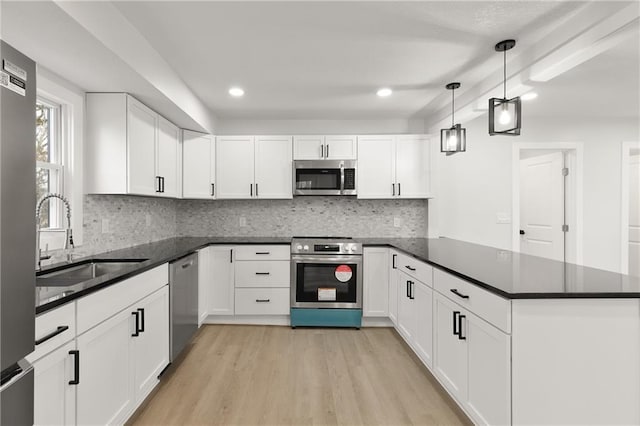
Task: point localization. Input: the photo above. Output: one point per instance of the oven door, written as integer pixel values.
(326, 282)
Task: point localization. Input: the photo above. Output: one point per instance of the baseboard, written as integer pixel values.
(248, 319)
(376, 322)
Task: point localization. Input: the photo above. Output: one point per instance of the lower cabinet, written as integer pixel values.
(472, 360)
(54, 395)
(375, 294)
(120, 360)
(415, 319)
(221, 294)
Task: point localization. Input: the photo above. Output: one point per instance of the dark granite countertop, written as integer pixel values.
(514, 275)
(155, 254)
(505, 273)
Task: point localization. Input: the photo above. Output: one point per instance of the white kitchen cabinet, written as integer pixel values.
(167, 157)
(106, 392)
(221, 290)
(393, 167)
(318, 147)
(394, 282)
(375, 283)
(422, 330)
(406, 307)
(473, 361)
(198, 165)
(151, 346)
(253, 167)
(54, 397)
(273, 167)
(130, 149)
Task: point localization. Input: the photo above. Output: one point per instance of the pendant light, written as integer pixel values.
(454, 139)
(505, 114)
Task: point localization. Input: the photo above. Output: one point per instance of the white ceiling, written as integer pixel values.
(324, 60)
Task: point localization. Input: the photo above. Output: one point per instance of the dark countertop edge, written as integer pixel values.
(511, 296)
(117, 277)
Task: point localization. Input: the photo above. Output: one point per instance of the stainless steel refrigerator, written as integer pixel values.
(17, 234)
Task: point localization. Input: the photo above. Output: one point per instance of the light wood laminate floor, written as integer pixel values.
(267, 375)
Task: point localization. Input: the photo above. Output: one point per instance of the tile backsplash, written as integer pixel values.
(303, 216)
(112, 222)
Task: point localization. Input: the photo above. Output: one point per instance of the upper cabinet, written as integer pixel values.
(199, 160)
(335, 147)
(254, 167)
(130, 148)
(393, 166)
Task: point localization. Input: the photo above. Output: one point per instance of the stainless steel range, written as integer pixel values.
(326, 287)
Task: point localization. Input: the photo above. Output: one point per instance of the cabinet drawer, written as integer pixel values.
(51, 331)
(490, 307)
(262, 301)
(282, 252)
(256, 273)
(103, 304)
(412, 266)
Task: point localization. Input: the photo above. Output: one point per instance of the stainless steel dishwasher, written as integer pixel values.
(183, 289)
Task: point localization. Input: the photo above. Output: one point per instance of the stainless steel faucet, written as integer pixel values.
(68, 240)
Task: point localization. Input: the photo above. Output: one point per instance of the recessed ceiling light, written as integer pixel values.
(236, 92)
(529, 96)
(384, 92)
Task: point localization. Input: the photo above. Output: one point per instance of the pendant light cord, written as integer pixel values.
(453, 100)
(504, 68)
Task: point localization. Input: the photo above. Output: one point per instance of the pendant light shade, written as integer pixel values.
(453, 139)
(505, 115)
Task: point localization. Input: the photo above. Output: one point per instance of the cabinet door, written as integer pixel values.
(394, 280)
(141, 146)
(309, 147)
(489, 388)
(197, 180)
(106, 390)
(450, 354)
(221, 286)
(405, 307)
(204, 281)
(273, 162)
(423, 322)
(151, 346)
(412, 167)
(375, 282)
(234, 167)
(340, 147)
(54, 397)
(376, 167)
(167, 157)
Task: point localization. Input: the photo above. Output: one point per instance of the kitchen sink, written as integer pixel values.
(77, 273)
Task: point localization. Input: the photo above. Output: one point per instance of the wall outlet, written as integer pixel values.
(106, 226)
(147, 219)
(503, 218)
(242, 221)
(397, 222)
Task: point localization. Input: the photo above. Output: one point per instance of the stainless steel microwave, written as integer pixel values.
(324, 177)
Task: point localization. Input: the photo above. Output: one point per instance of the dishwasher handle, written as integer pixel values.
(186, 265)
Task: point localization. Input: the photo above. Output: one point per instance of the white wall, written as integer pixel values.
(473, 187)
(292, 127)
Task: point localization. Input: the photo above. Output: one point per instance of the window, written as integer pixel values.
(49, 161)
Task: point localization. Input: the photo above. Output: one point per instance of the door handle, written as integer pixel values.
(410, 268)
(76, 367)
(399, 193)
(137, 315)
(141, 310)
(263, 273)
(251, 189)
(408, 288)
(157, 183)
(460, 336)
(263, 252)
(393, 189)
(257, 190)
(60, 329)
(457, 293)
(393, 262)
(411, 288)
(327, 151)
(263, 300)
(162, 182)
(321, 151)
(455, 322)
(522, 232)
(213, 189)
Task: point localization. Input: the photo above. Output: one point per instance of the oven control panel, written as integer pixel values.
(328, 247)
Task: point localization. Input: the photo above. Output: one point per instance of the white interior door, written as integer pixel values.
(634, 215)
(542, 206)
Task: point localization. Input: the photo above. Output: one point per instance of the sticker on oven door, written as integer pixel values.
(343, 273)
(326, 294)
